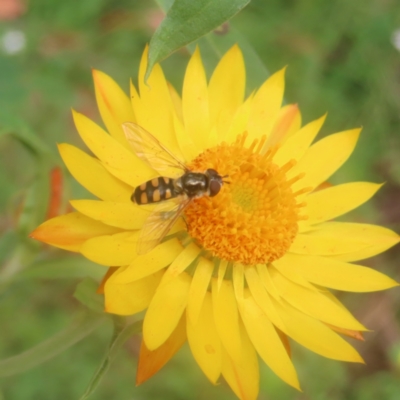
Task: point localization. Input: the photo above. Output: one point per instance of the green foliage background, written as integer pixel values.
(341, 59)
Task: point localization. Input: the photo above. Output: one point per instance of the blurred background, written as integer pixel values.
(343, 57)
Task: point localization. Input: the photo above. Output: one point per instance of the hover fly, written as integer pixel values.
(183, 189)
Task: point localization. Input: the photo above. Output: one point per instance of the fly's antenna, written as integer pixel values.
(225, 176)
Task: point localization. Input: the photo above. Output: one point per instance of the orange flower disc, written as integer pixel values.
(254, 218)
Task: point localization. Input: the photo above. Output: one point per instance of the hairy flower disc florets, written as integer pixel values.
(254, 218)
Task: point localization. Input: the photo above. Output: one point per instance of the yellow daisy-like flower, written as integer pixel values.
(250, 267)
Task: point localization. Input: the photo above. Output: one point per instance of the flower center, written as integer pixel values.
(254, 218)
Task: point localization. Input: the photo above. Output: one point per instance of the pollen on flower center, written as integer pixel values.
(254, 218)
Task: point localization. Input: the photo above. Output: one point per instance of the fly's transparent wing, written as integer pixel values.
(150, 149)
(159, 223)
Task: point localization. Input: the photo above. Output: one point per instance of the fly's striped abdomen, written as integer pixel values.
(154, 191)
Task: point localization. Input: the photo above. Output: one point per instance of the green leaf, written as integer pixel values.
(8, 242)
(14, 263)
(81, 326)
(62, 268)
(215, 44)
(165, 5)
(21, 131)
(85, 293)
(36, 200)
(121, 335)
(186, 21)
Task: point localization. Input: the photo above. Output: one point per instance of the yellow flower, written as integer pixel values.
(250, 267)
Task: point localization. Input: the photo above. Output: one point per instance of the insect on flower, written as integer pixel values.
(180, 190)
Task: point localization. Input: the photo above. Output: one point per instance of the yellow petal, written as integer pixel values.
(195, 102)
(165, 310)
(204, 341)
(130, 298)
(266, 105)
(176, 101)
(135, 98)
(261, 296)
(292, 116)
(214, 138)
(110, 271)
(91, 174)
(238, 280)
(267, 341)
(292, 113)
(116, 158)
(290, 274)
(198, 288)
(285, 341)
(70, 231)
(117, 249)
(348, 332)
(120, 215)
(324, 243)
(243, 377)
(295, 147)
(137, 105)
(239, 121)
(376, 238)
(314, 303)
(315, 335)
(287, 122)
(114, 105)
(223, 264)
(145, 264)
(267, 281)
(323, 158)
(332, 202)
(336, 274)
(226, 89)
(155, 95)
(226, 317)
(186, 145)
(150, 362)
(335, 300)
(183, 261)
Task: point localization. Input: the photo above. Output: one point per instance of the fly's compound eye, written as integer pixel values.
(215, 187)
(212, 172)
